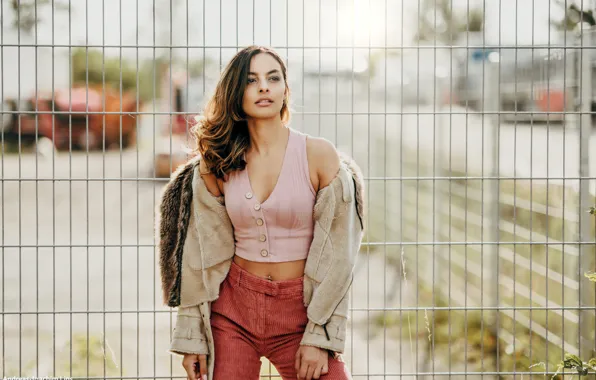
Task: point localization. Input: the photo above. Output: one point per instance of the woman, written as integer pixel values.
(259, 235)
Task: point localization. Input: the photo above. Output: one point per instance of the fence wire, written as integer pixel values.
(472, 121)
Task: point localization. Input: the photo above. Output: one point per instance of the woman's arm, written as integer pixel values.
(213, 184)
(323, 161)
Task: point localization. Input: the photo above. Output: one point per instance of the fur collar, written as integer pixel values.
(172, 216)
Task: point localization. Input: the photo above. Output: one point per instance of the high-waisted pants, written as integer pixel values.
(255, 317)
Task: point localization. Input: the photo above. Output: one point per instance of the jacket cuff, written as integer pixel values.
(188, 336)
(330, 336)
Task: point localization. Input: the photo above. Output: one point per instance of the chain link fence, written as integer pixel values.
(475, 150)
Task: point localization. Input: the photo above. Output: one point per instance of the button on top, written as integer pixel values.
(257, 206)
(264, 252)
(248, 195)
(259, 222)
(262, 237)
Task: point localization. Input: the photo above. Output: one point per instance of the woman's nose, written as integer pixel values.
(263, 87)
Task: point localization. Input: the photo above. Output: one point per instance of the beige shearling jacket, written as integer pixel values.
(196, 246)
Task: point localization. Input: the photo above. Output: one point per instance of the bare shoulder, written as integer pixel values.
(211, 182)
(323, 159)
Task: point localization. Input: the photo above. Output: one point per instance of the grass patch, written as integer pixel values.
(530, 275)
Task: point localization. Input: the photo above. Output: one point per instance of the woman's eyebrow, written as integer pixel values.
(270, 72)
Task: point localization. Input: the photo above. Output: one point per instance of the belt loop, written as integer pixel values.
(239, 276)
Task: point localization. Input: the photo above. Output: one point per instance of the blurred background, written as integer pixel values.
(472, 121)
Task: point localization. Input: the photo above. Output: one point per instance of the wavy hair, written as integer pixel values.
(221, 132)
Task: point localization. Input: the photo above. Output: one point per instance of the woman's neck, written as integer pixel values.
(266, 135)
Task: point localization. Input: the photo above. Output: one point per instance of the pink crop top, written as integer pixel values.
(281, 228)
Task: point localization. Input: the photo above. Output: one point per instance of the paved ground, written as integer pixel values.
(38, 215)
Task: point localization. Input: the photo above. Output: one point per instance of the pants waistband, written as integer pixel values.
(238, 276)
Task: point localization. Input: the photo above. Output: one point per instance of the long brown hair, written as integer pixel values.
(221, 131)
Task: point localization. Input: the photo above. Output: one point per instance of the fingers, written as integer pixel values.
(311, 363)
(317, 372)
(188, 364)
(302, 371)
(195, 366)
(325, 369)
(320, 370)
(303, 368)
(311, 371)
(203, 367)
(297, 362)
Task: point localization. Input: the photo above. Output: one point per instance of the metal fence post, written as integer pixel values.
(439, 171)
(586, 261)
(493, 105)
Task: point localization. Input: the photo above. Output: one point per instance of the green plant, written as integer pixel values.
(27, 12)
(572, 361)
(88, 354)
(438, 22)
(91, 67)
(573, 17)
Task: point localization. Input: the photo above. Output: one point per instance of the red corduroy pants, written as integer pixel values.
(253, 318)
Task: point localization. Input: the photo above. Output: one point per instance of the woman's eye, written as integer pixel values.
(275, 79)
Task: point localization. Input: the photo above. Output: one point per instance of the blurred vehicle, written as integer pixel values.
(413, 77)
(535, 83)
(180, 100)
(73, 118)
(342, 63)
(10, 127)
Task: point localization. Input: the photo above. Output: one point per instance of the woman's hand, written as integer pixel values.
(311, 362)
(192, 372)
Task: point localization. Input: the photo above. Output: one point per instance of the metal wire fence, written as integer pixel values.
(475, 151)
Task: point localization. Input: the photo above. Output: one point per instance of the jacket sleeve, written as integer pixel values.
(328, 307)
(189, 335)
(331, 335)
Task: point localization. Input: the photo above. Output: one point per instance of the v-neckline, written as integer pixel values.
(283, 165)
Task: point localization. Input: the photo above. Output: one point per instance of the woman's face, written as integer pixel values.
(265, 88)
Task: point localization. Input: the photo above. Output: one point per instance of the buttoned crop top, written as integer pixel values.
(281, 228)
